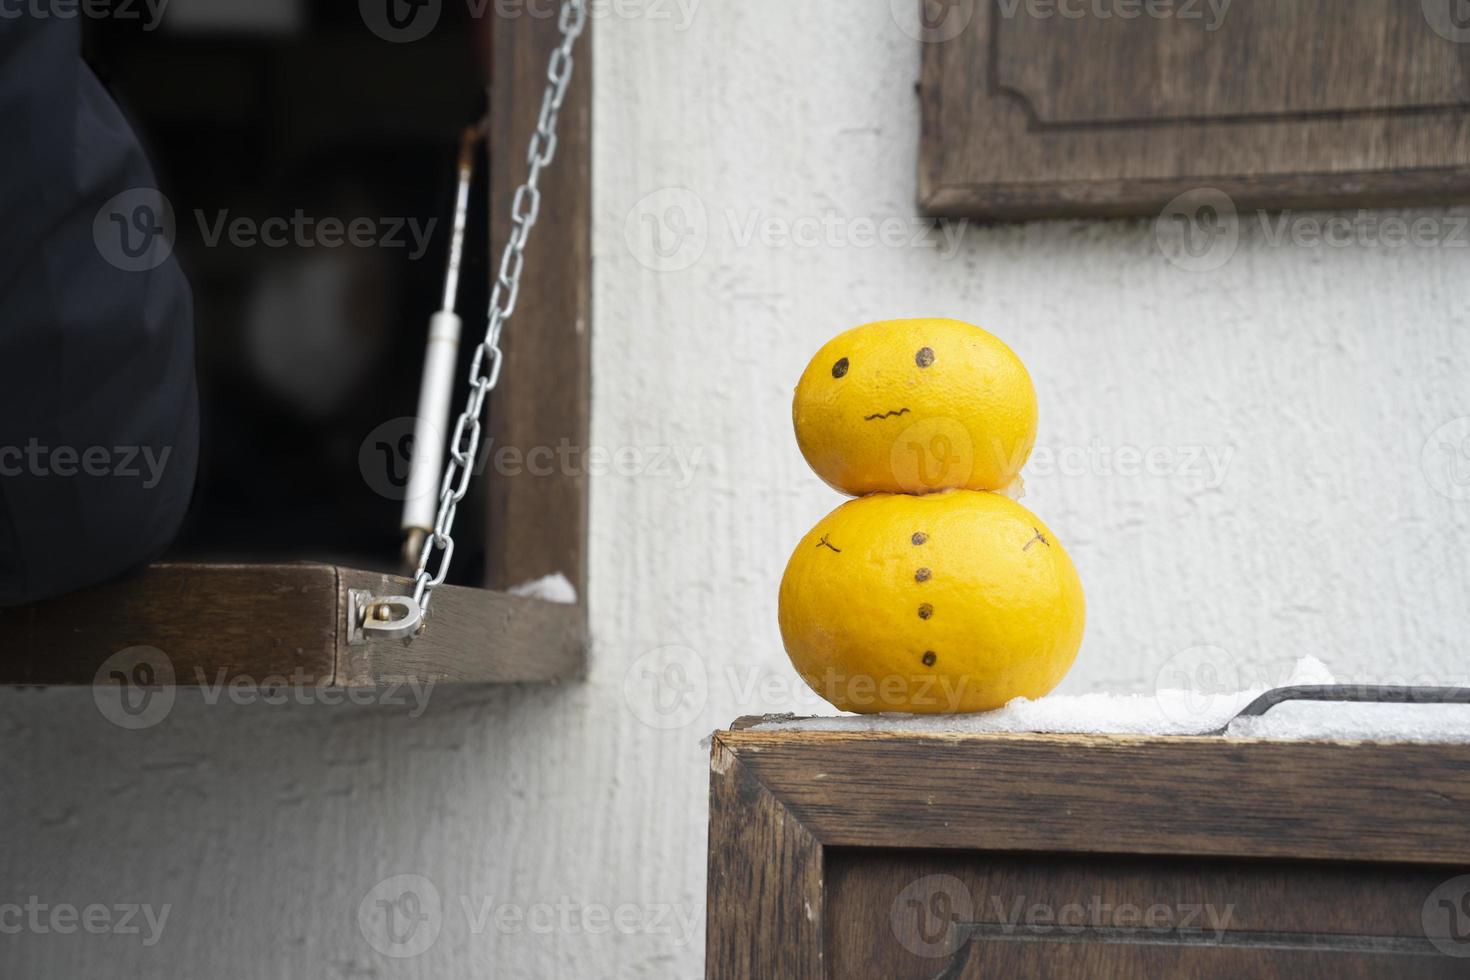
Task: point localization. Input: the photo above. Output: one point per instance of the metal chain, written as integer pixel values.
(525, 208)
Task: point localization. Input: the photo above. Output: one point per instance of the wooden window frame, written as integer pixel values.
(991, 146)
(780, 799)
(222, 622)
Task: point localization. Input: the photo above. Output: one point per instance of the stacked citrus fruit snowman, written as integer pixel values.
(931, 592)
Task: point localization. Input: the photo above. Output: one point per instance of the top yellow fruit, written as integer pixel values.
(915, 406)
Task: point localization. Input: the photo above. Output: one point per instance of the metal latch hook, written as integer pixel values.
(382, 617)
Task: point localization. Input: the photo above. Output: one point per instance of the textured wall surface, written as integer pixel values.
(745, 159)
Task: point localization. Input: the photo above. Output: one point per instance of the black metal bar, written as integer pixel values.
(1351, 693)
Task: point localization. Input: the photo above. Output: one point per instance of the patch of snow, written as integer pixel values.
(549, 588)
(1359, 722)
(1016, 489)
(1176, 712)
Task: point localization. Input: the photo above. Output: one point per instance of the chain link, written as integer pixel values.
(486, 362)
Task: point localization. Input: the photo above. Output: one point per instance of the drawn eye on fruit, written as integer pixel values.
(915, 406)
(932, 592)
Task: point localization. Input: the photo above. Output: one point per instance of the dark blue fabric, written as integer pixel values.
(96, 361)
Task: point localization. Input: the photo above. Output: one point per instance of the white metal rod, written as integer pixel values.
(436, 387)
(430, 431)
(461, 210)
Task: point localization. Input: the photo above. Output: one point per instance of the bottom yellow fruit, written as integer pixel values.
(948, 602)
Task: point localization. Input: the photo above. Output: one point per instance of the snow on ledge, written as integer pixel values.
(1176, 712)
(549, 588)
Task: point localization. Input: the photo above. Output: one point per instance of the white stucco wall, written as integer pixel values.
(1320, 372)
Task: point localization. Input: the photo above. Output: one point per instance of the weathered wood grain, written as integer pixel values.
(537, 492)
(905, 915)
(286, 624)
(1286, 103)
(1118, 794)
(1326, 854)
(473, 636)
(765, 880)
(212, 621)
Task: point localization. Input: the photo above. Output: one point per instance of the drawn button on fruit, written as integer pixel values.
(957, 601)
(953, 601)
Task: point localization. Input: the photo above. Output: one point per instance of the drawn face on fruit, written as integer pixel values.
(915, 406)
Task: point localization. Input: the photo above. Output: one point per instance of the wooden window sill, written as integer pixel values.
(221, 623)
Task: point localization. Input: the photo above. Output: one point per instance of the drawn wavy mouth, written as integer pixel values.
(886, 415)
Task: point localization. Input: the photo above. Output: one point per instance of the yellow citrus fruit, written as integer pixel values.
(915, 406)
(946, 602)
